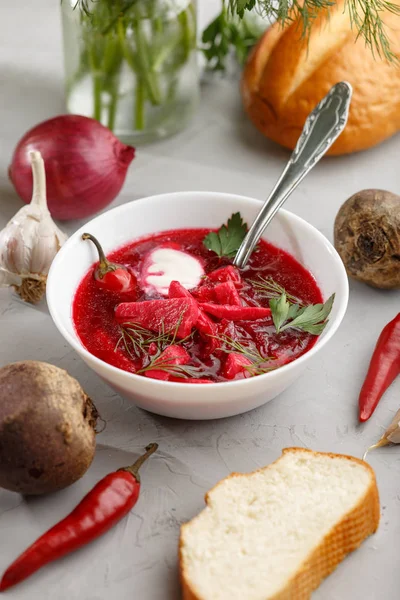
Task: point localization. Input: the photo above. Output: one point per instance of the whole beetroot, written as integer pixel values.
(367, 237)
(47, 428)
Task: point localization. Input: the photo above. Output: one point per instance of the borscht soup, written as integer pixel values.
(171, 306)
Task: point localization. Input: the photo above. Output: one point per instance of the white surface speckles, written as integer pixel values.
(220, 151)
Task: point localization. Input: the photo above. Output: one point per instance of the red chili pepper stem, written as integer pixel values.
(104, 266)
(134, 469)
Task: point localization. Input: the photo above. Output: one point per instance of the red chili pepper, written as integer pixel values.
(106, 504)
(383, 369)
(111, 276)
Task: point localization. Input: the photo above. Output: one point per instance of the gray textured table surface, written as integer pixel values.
(220, 151)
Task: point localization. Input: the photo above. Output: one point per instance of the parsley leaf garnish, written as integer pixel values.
(226, 241)
(312, 318)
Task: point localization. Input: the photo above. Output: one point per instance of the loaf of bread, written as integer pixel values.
(285, 79)
(275, 534)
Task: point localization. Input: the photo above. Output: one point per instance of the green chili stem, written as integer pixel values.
(134, 469)
(103, 262)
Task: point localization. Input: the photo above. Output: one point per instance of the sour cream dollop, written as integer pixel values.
(164, 265)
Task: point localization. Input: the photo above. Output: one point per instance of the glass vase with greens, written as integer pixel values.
(131, 64)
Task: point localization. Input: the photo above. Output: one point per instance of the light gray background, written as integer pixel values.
(220, 151)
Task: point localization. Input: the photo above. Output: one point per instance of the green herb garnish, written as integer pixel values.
(226, 241)
(182, 371)
(269, 288)
(312, 318)
(137, 339)
(252, 353)
(249, 352)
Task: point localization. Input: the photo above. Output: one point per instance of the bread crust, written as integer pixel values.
(284, 80)
(342, 539)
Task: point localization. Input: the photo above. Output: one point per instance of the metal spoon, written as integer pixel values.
(322, 127)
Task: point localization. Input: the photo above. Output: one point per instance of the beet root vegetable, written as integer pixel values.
(47, 428)
(367, 237)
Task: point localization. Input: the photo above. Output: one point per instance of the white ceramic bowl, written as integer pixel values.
(190, 210)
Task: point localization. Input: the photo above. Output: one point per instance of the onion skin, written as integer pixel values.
(85, 163)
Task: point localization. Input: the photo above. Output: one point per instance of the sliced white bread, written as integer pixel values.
(276, 533)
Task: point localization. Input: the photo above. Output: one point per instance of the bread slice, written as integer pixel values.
(276, 533)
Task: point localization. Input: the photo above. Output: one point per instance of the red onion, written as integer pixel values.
(85, 165)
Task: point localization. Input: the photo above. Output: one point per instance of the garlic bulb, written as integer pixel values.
(30, 241)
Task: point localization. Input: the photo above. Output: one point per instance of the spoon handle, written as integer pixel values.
(322, 127)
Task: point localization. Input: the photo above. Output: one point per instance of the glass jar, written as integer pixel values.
(131, 64)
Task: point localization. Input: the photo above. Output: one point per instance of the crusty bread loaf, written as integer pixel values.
(284, 80)
(276, 533)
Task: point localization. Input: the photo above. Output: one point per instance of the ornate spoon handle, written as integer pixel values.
(322, 127)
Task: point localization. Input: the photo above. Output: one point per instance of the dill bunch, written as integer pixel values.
(228, 33)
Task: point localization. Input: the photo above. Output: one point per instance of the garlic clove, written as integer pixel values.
(12, 256)
(391, 435)
(30, 241)
(51, 240)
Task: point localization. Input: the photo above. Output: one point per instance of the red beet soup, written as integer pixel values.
(183, 314)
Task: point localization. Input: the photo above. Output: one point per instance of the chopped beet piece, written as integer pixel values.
(236, 313)
(173, 355)
(227, 328)
(257, 335)
(208, 330)
(205, 293)
(205, 325)
(224, 274)
(158, 315)
(226, 293)
(176, 290)
(235, 365)
(152, 349)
